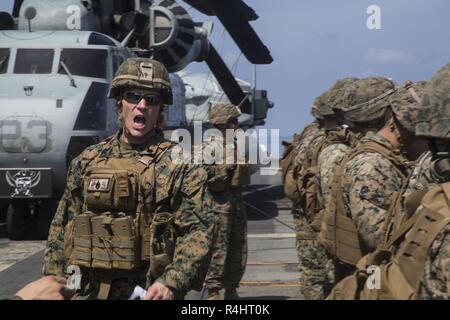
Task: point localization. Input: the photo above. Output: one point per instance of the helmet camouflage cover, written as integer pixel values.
(434, 117)
(405, 103)
(323, 109)
(335, 96)
(315, 113)
(367, 99)
(222, 112)
(142, 73)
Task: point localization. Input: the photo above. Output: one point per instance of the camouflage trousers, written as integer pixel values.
(315, 267)
(229, 256)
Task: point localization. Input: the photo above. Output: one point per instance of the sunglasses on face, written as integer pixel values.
(151, 99)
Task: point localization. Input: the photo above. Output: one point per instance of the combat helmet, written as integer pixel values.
(323, 109)
(434, 117)
(222, 112)
(367, 99)
(335, 96)
(405, 103)
(142, 73)
(315, 111)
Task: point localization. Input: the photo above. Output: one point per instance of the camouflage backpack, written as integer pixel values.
(289, 166)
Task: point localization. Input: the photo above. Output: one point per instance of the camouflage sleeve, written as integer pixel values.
(194, 223)
(69, 205)
(373, 180)
(435, 282)
(421, 176)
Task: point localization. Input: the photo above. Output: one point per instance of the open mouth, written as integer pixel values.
(139, 120)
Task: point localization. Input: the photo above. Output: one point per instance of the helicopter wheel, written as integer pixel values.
(17, 221)
(46, 211)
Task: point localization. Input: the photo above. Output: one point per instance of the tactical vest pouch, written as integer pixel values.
(81, 254)
(162, 243)
(124, 243)
(114, 243)
(241, 175)
(111, 190)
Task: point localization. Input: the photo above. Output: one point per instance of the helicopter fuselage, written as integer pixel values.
(53, 104)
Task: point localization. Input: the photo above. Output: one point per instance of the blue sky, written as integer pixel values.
(316, 42)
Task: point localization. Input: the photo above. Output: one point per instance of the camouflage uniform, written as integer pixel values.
(229, 256)
(308, 137)
(312, 259)
(415, 261)
(310, 130)
(179, 189)
(363, 101)
(368, 181)
(421, 177)
(420, 181)
(315, 267)
(333, 154)
(435, 283)
(329, 160)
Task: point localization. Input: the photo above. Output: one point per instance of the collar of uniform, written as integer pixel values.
(150, 145)
(371, 136)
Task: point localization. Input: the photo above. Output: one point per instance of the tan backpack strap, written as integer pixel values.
(402, 230)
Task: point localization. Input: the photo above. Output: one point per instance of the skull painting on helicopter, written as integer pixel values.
(22, 182)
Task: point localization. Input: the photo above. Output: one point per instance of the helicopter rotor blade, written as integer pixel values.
(226, 80)
(235, 16)
(208, 8)
(16, 8)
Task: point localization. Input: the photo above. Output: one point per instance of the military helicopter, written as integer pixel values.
(57, 59)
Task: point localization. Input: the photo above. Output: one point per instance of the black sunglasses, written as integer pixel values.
(151, 99)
